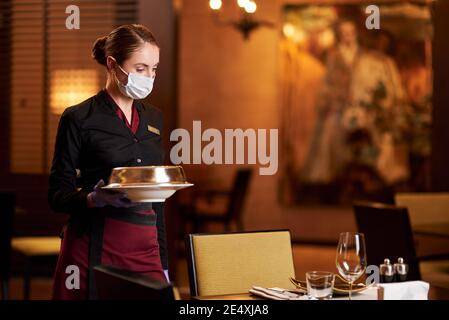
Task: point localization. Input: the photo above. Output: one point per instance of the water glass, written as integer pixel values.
(320, 285)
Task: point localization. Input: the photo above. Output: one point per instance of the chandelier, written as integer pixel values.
(247, 23)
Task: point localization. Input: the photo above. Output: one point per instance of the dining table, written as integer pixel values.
(435, 293)
(373, 293)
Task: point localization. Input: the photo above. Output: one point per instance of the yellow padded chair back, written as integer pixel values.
(425, 207)
(232, 263)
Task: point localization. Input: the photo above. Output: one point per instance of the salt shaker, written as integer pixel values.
(386, 272)
(401, 270)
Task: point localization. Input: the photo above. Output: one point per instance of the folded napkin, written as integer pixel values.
(276, 293)
(408, 290)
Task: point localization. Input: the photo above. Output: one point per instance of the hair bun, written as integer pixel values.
(98, 50)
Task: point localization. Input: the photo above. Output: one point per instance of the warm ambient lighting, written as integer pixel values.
(71, 86)
(215, 4)
(250, 7)
(242, 3)
(246, 24)
(291, 32)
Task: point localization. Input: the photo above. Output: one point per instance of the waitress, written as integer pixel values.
(110, 129)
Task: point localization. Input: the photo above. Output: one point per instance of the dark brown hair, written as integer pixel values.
(121, 43)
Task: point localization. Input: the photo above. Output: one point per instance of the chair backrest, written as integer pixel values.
(238, 193)
(120, 284)
(233, 262)
(7, 207)
(388, 234)
(425, 207)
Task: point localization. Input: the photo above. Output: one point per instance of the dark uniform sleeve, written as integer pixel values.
(63, 195)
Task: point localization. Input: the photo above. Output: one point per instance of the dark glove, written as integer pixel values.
(101, 198)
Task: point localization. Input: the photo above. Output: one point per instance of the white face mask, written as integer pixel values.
(138, 86)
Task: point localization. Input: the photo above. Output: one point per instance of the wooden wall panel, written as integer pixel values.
(26, 86)
(5, 80)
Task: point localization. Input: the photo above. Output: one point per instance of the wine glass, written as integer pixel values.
(351, 257)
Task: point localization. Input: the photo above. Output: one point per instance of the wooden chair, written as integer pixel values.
(7, 208)
(388, 234)
(120, 284)
(34, 250)
(231, 263)
(233, 213)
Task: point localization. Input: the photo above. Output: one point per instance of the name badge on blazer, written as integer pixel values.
(154, 130)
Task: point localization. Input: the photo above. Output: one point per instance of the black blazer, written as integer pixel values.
(92, 138)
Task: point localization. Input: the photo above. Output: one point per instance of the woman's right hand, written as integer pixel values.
(100, 198)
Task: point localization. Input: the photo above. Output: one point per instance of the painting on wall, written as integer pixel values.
(356, 103)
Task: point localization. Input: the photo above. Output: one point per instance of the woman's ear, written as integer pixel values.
(110, 61)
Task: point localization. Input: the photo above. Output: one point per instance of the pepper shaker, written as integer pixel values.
(386, 272)
(401, 270)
